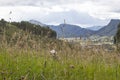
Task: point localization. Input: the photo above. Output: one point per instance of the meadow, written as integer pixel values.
(30, 59)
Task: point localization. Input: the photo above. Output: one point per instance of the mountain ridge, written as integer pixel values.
(110, 29)
(94, 28)
(70, 30)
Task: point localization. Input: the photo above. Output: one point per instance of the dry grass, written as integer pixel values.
(25, 57)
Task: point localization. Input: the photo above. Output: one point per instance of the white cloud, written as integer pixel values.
(36, 2)
(22, 12)
(37, 9)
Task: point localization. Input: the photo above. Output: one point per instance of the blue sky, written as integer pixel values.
(85, 13)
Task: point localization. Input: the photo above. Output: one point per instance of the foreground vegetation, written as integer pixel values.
(27, 57)
(70, 63)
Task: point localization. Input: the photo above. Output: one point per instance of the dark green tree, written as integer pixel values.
(35, 29)
(117, 38)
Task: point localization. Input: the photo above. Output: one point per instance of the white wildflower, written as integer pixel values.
(53, 52)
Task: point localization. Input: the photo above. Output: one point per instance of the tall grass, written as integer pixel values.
(25, 57)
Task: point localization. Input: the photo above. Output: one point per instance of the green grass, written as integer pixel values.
(40, 65)
(28, 58)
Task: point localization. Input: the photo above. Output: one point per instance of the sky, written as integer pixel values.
(85, 13)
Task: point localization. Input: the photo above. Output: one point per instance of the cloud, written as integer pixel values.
(22, 12)
(18, 2)
(36, 2)
(72, 17)
(79, 5)
(54, 11)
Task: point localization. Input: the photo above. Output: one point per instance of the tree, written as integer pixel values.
(117, 38)
(35, 29)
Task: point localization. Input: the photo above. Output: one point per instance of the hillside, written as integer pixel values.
(94, 28)
(110, 29)
(68, 30)
(9, 29)
(37, 22)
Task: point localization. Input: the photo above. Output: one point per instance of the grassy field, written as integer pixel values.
(72, 62)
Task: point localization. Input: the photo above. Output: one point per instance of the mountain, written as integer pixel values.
(94, 28)
(36, 22)
(110, 29)
(68, 30)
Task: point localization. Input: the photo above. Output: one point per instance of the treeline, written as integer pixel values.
(11, 27)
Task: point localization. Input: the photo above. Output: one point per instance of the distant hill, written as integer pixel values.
(110, 29)
(10, 29)
(36, 22)
(68, 30)
(94, 28)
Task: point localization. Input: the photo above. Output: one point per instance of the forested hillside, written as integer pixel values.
(8, 29)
